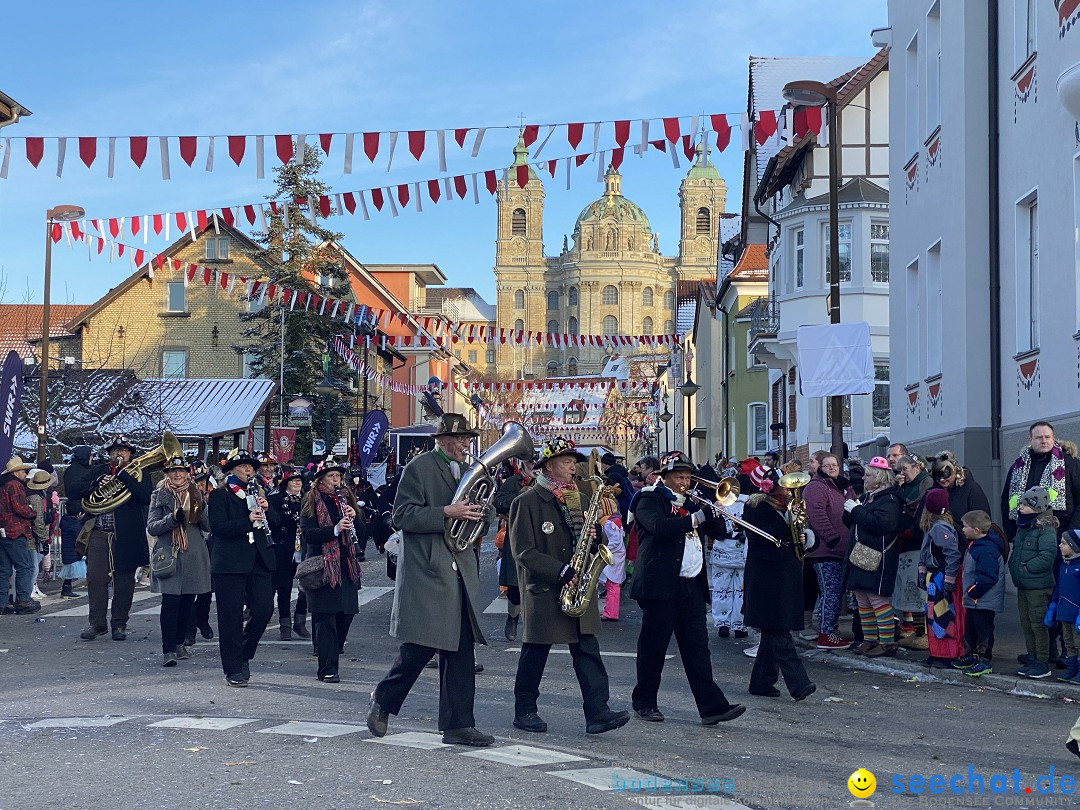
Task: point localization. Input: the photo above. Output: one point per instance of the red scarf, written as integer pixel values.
(331, 549)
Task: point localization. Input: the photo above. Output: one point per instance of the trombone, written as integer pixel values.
(726, 492)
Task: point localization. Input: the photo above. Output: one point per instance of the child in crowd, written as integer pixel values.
(74, 565)
(1031, 566)
(613, 576)
(984, 590)
(1065, 603)
(940, 566)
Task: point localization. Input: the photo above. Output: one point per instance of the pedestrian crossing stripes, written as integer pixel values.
(521, 756)
(80, 609)
(204, 723)
(301, 728)
(557, 651)
(412, 739)
(77, 722)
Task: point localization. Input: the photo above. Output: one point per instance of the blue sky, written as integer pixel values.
(112, 68)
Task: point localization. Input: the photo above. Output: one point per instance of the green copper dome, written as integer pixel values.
(614, 204)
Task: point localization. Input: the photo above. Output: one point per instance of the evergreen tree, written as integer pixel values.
(301, 249)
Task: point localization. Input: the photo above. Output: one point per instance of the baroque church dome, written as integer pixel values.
(614, 205)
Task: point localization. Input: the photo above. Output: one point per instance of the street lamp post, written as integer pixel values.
(666, 418)
(818, 94)
(326, 388)
(689, 388)
(61, 213)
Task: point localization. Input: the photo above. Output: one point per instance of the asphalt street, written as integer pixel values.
(101, 723)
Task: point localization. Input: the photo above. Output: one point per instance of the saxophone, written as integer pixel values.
(590, 557)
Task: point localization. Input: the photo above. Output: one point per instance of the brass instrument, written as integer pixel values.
(727, 492)
(477, 485)
(591, 556)
(110, 492)
(794, 483)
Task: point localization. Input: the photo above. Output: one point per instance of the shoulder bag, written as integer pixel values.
(866, 558)
(309, 573)
(163, 560)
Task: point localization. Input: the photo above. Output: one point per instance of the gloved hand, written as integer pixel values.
(1051, 612)
(566, 575)
(809, 539)
(178, 515)
(850, 504)
(948, 588)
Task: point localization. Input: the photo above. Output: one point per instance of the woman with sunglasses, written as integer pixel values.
(965, 494)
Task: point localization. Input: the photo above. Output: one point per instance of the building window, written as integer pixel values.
(669, 327)
(571, 367)
(490, 356)
(1027, 274)
(517, 222)
(845, 253)
(572, 297)
(879, 252)
(752, 360)
(519, 325)
(646, 326)
(646, 297)
(326, 281)
(913, 323)
(572, 326)
(933, 68)
(553, 326)
(255, 303)
(553, 300)
(519, 299)
(611, 326)
(758, 432)
(174, 363)
(933, 325)
(175, 297)
(704, 222)
(669, 299)
(880, 397)
(610, 296)
(911, 82)
(472, 356)
(247, 364)
(798, 238)
(553, 369)
(217, 248)
(1025, 14)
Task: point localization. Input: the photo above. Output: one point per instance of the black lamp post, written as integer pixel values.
(666, 418)
(689, 388)
(327, 389)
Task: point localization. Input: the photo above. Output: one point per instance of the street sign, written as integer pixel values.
(300, 412)
(318, 447)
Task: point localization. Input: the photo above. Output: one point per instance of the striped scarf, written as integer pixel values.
(569, 498)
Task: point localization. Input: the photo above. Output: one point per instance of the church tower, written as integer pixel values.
(702, 199)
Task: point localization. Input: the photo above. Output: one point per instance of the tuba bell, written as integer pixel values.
(110, 492)
(794, 483)
(477, 485)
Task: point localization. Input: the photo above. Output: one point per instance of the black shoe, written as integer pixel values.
(530, 722)
(607, 722)
(511, 627)
(741, 634)
(768, 691)
(652, 715)
(805, 692)
(168, 659)
(119, 633)
(478, 668)
(285, 632)
(29, 606)
(467, 736)
(335, 678)
(206, 631)
(91, 632)
(1073, 746)
(377, 718)
(245, 670)
(69, 592)
(433, 663)
(730, 713)
(723, 632)
(237, 680)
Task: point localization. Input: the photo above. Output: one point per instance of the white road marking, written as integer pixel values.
(371, 594)
(206, 723)
(82, 609)
(412, 739)
(77, 722)
(498, 606)
(601, 778)
(523, 755)
(556, 651)
(302, 728)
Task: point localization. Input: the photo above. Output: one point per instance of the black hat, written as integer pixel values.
(119, 442)
(609, 458)
(453, 424)
(330, 467)
(199, 470)
(291, 476)
(237, 457)
(553, 448)
(176, 463)
(675, 461)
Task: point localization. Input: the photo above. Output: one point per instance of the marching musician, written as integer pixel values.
(285, 501)
(199, 619)
(435, 601)
(241, 563)
(546, 522)
(671, 586)
(117, 547)
(266, 472)
(330, 527)
(773, 599)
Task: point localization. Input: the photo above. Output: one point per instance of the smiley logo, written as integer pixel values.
(862, 784)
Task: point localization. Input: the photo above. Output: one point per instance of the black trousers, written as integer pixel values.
(236, 642)
(175, 611)
(513, 593)
(329, 631)
(777, 654)
(592, 678)
(200, 613)
(683, 616)
(979, 632)
(283, 585)
(457, 680)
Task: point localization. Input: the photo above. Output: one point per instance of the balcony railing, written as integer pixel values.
(765, 319)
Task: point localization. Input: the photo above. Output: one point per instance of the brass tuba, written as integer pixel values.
(109, 491)
(794, 483)
(477, 485)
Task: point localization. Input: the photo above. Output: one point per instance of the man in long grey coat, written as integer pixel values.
(435, 601)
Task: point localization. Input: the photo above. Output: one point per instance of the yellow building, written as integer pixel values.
(612, 280)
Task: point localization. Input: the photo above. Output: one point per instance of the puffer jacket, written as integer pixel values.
(874, 524)
(1031, 563)
(825, 498)
(984, 573)
(1067, 593)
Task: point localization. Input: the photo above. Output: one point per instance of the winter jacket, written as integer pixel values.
(984, 573)
(69, 533)
(874, 524)
(1069, 517)
(1031, 563)
(773, 584)
(15, 510)
(825, 498)
(617, 474)
(1066, 596)
(38, 525)
(941, 551)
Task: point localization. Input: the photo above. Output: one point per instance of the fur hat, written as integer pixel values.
(1036, 498)
(937, 501)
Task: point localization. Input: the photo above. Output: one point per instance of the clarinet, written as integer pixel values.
(253, 504)
(342, 502)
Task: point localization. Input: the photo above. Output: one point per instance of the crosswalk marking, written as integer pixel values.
(306, 729)
(523, 756)
(205, 723)
(81, 610)
(370, 594)
(412, 739)
(497, 606)
(77, 722)
(557, 651)
(601, 778)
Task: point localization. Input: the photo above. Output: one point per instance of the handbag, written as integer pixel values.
(309, 573)
(163, 560)
(866, 558)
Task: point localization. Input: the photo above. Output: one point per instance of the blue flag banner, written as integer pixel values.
(11, 385)
(371, 435)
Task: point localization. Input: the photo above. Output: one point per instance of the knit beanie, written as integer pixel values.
(937, 501)
(1072, 537)
(1036, 498)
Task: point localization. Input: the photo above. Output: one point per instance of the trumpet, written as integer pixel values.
(727, 492)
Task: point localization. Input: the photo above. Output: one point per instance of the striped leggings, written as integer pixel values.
(877, 617)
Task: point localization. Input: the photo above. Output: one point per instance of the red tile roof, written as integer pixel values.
(754, 263)
(21, 323)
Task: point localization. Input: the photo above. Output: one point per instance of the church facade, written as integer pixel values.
(612, 278)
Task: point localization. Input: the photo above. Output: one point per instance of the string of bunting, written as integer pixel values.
(624, 387)
(357, 364)
(379, 144)
(431, 331)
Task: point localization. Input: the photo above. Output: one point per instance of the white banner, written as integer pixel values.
(835, 360)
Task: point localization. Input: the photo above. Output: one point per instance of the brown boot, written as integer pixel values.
(285, 630)
(298, 626)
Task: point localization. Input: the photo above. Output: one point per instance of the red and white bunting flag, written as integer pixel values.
(87, 150)
(237, 145)
(765, 126)
(574, 133)
(188, 148)
(416, 143)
